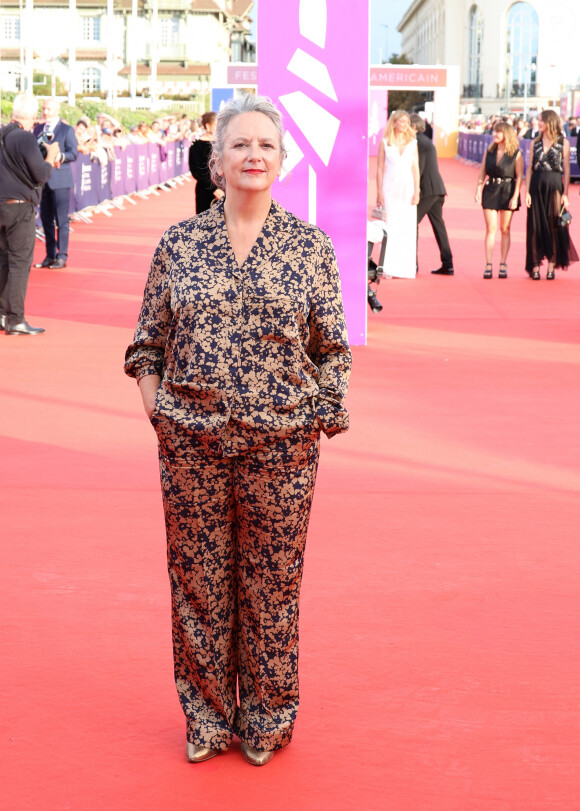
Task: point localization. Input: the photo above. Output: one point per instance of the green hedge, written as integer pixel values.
(90, 109)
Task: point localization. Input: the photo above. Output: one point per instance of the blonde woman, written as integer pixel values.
(498, 190)
(398, 194)
(548, 180)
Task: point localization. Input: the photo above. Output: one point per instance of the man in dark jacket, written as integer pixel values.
(432, 195)
(23, 170)
(55, 200)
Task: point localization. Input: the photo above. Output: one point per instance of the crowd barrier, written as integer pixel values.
(135, 169)
(472, 145)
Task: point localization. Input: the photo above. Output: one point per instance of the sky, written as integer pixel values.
(385, 16)
(385, 39)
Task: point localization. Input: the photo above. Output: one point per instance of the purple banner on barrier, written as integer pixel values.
(135, 168)
(117, 175)
(472, 146)
(182, 157)
(166, 166)
(102, 181)
(141, 168)
(85, 192)
(130, 159)
(153, 164)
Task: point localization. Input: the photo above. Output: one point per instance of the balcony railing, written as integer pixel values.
(169, 5)
(518, 90)
(472, 91)
(167, 53)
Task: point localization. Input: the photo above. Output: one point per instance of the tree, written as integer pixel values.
(410, 100)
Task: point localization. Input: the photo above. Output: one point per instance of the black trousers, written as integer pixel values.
(433, 208)
(54, 209)
(17, 235)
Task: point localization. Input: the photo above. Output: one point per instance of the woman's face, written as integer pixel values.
(251, 160)
(541, 124)
(498, 137)
(401, 125)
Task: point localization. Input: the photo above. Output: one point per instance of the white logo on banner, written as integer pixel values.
(86, 177)
(319, 127)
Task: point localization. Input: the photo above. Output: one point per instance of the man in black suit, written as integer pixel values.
(55, 200)
(23, 171)
(432, 195)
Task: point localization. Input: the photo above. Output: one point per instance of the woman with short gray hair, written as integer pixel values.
(242, 358)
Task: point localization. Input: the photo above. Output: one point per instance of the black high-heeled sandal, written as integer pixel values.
(551, 275)
(488, 272)
(502, 270)
(535, 274)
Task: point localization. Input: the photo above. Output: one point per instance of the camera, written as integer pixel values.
(375, 272)
(43, 139)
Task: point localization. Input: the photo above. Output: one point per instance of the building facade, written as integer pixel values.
(517, 56)
(172, 44)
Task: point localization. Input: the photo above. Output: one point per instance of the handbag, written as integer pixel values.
(564, 218)
(379, 213)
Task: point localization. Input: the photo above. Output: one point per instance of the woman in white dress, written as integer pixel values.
(398, 194)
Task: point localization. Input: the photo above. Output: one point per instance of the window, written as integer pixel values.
(91, 29)
(91, 80)
(169, 31)
(11, 29)
(522, 48)
(475, 47)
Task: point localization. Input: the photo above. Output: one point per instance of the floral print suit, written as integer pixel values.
(254, 362)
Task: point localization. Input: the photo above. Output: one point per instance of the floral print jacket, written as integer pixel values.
(249, 354)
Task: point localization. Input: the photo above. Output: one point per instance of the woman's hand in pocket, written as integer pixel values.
(148, 387)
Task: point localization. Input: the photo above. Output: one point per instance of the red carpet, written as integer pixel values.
(440, 622)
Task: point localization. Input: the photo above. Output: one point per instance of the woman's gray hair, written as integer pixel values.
(244, 103)
(24, 106)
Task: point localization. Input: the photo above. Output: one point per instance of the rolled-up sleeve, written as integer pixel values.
(328, 346)
(145, 356)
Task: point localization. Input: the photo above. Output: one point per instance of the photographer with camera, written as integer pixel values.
(55, 199)
(23, 171)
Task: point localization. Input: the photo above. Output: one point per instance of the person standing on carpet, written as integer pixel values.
(23, 170)
(433, 194)
(503, 166)
(398, 194)
(242, 358)
(548, 180)
(55, 199)
(206, 191)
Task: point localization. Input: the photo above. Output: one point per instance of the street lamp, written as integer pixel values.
(386, 27)
(507, 83)
(530, 67)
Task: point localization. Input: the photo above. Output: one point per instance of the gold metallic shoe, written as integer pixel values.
(197, 754)
(255, 757)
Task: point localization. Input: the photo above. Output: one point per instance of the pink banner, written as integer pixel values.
(323, 95)
(245, 75)
(378, 104)
(408, 76)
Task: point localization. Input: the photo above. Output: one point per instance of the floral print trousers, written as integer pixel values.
(236, 531)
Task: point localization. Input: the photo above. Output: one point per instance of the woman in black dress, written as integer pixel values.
(548, 180)
(503, 166)
(206, 192)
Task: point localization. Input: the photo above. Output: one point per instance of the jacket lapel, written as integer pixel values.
(276, 232)
(215, 242)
